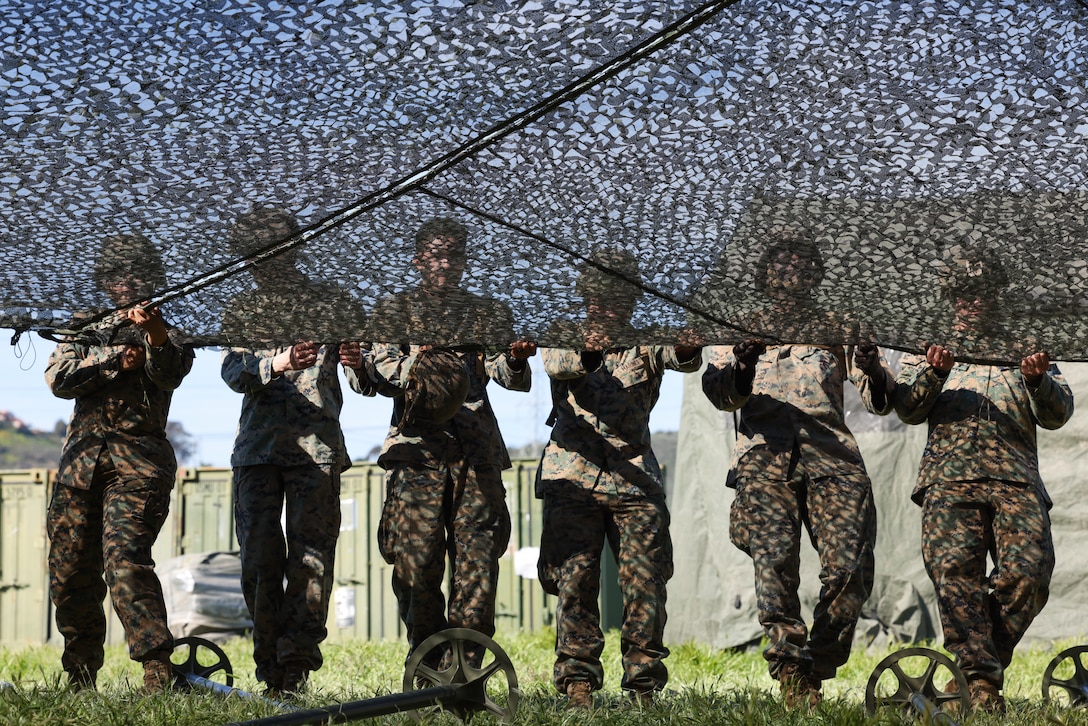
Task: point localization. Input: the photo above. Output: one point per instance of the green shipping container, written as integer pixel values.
(24, 606)
(201, 520)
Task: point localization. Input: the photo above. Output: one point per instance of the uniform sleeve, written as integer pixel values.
(363, 380)
(720, 382)
(391, 366)
(684, 366)
(1051, 400)
(75, 371)
(563, 364)
(247, 371)
(864, 384)
(502, 370)
(166, 365)
(916, 389)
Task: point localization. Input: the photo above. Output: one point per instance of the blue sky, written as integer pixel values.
(209, 410)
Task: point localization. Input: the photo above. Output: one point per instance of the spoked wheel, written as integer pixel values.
(460, 656)
(1065, 680)
(203, 658)
(906, 677)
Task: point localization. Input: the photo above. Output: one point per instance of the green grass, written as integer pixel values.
(706, 687)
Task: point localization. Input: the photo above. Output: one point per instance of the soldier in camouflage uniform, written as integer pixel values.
(444, 458)
(116, 472)
(795, 463)
(289, 451)
(600, 482)
(981, 493)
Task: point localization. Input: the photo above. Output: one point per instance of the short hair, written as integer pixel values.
(442, 227)
(130, 255)
(973, 272)
(250, 232)
(790, 241)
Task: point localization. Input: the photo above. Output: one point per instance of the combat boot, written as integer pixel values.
(272, 677)
(158, 675)
(799, 688)
(580, 695)
(985, 696)
(952, 688)
(82, 679)
(295, 677)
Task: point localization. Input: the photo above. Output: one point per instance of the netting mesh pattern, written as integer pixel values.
(806, 172)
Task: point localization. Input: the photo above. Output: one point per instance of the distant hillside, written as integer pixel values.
(24, 448)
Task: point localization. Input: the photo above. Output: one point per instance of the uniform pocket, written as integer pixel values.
(156, 506)
(739, 533)
(387, 523)
(633, 372)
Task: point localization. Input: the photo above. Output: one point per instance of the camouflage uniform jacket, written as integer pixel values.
(292, 419)
(982, 420)
(456, 317)
(123, 411)
(602, 417)
(472, 434)
(795, 407)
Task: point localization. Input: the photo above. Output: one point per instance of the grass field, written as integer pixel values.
(706, 687)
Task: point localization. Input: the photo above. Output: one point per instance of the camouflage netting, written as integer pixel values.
(810, 172)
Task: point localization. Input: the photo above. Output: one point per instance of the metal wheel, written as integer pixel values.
(200, 657)
(460, 656)
(1068, 678)
(899, 684)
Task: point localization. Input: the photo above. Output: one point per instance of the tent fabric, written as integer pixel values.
(203, 596)
(713, 592)
(904, 140)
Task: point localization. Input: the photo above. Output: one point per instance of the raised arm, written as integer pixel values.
(872, 377)
(250, 371)
(391, 366)
(920, 382)
(730, 372)
(74, 370)
(247, 371)
(1050, 396)
(564, 364)
(167, 362)
(511, 370)
(358, 363)
(683, 358)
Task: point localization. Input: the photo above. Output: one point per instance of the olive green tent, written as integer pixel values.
(712, 596)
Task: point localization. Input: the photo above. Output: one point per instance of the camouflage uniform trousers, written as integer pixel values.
(765, 522)
(288, 620)
(459, 510)
(576, 525)
(108, 529)
(984, 617)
